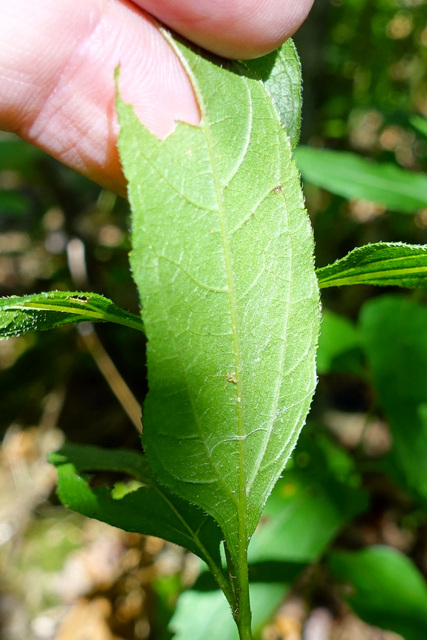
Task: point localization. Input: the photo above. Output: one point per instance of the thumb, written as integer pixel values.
(57, 90)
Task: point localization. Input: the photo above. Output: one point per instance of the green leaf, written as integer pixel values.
(339, 345)
(351, 176)
(394, 336)
(310, 504)
(280, 71)
(382, 263)
(388, 590)
(222, 257)
(150, 509)
(205, 614)
(305, 511)
(303, 514)
(42, 311)
(419, 123)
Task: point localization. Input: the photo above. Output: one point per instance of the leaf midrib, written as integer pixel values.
(241, 505)
(232, 300)
(193, 535)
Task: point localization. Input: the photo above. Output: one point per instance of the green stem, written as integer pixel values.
(243, 613)
(240, 580)
(244, 631)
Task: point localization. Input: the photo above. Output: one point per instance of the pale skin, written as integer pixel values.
(57, 61)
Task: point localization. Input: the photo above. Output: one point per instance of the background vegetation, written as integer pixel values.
(358, 477)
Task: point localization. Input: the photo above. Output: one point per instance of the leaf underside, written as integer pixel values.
(222, 257)
(38, 312)
(280, 71)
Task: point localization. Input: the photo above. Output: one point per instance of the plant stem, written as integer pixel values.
(244, 632)
(244, 614)
(240, 581)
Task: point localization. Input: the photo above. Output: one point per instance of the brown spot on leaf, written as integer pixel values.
(79, 298)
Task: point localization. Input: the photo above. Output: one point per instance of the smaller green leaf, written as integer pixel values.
(146, 508)
(351, 176)
(389, 592)
(382, 263)
(38, 312)
(88, 458)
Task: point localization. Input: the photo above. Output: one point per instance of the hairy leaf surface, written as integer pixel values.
(222, 257)
(41, 311)
(382, 263)
(280, 71)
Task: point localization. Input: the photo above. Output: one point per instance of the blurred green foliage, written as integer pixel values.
(365, 87)
(387, 589)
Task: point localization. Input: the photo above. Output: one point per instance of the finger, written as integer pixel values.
(57, 79)
(232, 28)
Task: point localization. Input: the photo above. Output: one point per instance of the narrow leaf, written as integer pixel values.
(222, 257)
(382, 263)
(351, 176)
(281, 73)
(150, 509)
(42, 311)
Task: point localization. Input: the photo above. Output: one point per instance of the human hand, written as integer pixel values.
(57, 62)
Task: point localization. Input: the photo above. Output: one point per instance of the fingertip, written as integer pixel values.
(61, 96)
(238, 29)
